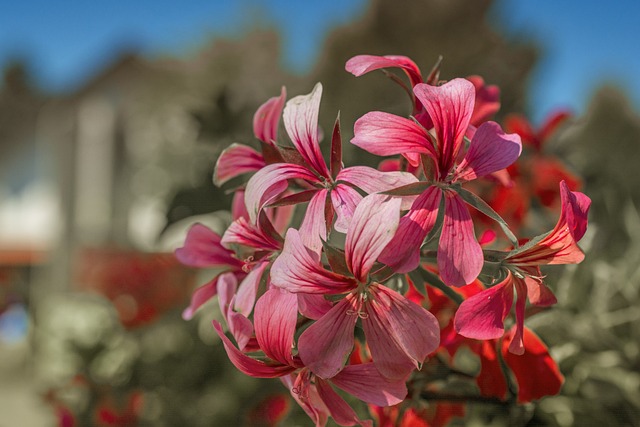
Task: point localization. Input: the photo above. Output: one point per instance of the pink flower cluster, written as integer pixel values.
(340, 299)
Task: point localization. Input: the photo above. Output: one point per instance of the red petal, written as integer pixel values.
(365, 382)
(275, 319)
(363, 64)
(341, 412)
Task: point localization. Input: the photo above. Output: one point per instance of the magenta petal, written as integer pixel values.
(325, 345)
(490, 151)
(344, 200)
(269, 182)
(248, 365)
(403, 251)
(373, 225)
(275, 319)
(313, 306)
(313, 229)
(482, 316)
(385, 134)
(200, 296)
(236, 160)
(240, 327)
(413, 329)
(248, 289)
(301, 121)
(203, 249)
(267, 118)
(341, 412)
(460, 257)
(363, 64)
(297, 269)
(367, 384)
(450, 107)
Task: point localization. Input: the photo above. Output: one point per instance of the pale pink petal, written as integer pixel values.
(275, 324)
(450, 106)
(482, 316)
(341, 412)
(460, 257)
(371, 180)
(344, 200)
(313, 229)
(248, 289)
(490, 151)
(385, 134)
(301, 121)
(373, 225)
(403, 252)
(248, 365)
(313, 306)
(241, 232)
(267, 118)
(297, 269)
(236, 160)
(266, 184)
(200, 296)
(414, 330)
(363, 64)
(203, 249)
(367, 384)
(325, 345)
(227, 286)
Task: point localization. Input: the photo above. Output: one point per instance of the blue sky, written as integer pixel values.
(585, 42)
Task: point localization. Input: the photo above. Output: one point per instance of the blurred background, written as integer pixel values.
(112, 116)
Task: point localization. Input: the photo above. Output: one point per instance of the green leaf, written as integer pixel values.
(483, 207)
(413, 189)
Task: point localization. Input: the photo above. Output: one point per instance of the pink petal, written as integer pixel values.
(450, 106)
(575, 209)
(362, 64)
(238, 208)
(313, 306)
(344, 200)
(373, 225)
(313, 229)
(403, 251)
(482, 316)
(412, 328)
(490, 151)
(306, 395)
(240, 327)
(200, 296)
(269, 182)
(246, 295)
(374, 181)
(460, 257)
(301, 121)
(325, 345)
(227, 286)
(367, 384)
(341, 412)
(275, 324)
(517, 344)
(236, 160)
(385, 134)
(297, 269)
(267, 118)
(247, 365)
(203, 249)
(487, 100)
(243, 233)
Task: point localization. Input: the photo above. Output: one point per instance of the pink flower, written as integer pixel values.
(400, 334)
(450, 107)
(482, 316)
(276, 314)
(328, 191)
